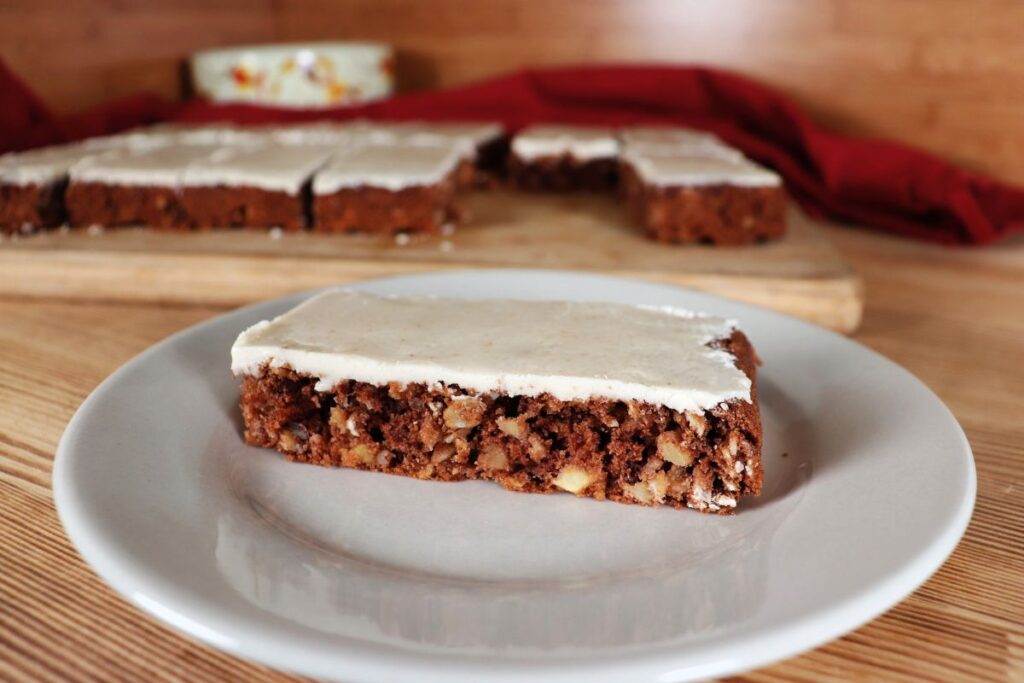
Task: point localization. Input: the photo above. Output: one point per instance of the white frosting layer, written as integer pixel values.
(219, 135)
(653, 140)
(41, 166)
(670, 170)
(169, 134)
(159, 135)
(390, 167)
(327, 134)
(477, 133)
(465, 137)
(133, 139)
(159, 166)
(212, 154)
(573, 351)
(275, 168)
(666, 135)
(583, 143)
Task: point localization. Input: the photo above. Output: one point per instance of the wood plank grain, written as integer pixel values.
(953, 317)
(801, 274)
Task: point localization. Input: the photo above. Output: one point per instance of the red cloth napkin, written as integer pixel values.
(879, 184)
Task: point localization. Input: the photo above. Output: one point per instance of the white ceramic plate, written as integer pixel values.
(356, 576)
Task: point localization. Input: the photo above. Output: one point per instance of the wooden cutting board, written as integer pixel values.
(801, 274)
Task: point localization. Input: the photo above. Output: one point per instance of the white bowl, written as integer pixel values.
(295, 74)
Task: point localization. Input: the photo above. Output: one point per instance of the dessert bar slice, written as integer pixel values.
(560, 157)
(632, 404)
(385, 188)
(32, 187)
(481, 146)
(133, 186)
(255, 186)
(673, 141)
(694, 197)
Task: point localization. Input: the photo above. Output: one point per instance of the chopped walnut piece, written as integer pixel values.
(462, 413)
(442, 452)
(493, 457)
(511, 426)
(538, 449)
(462, 447)
(338, 418)
(429, 433)
(659, 486)
(652, 467)
(288, 442)
(573, 478)
(678, 482)
(360, 454)
(671, 449)
(698, 423)
(641, 493)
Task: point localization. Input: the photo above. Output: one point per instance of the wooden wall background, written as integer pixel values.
(944, 74)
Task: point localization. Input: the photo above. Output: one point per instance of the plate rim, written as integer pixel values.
(383, 661)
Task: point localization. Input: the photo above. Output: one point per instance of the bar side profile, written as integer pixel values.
(695, 445)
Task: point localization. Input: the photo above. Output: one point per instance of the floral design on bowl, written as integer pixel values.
(296, 75)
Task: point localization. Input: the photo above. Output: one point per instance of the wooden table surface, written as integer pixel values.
(955, 318)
